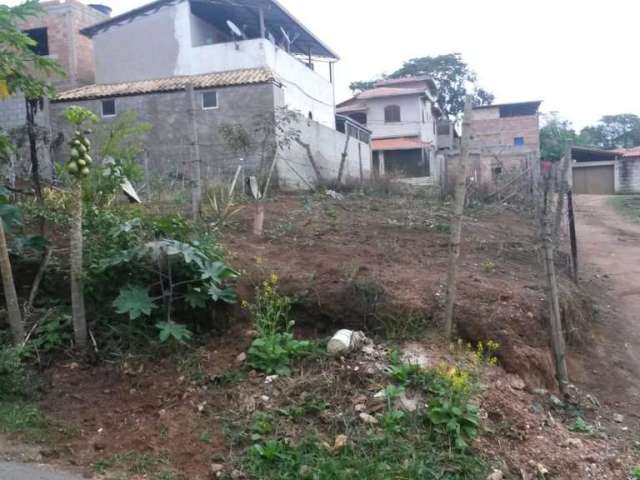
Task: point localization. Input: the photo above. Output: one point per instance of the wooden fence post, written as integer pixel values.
(196, 161)
(456, 223)
(558, 345)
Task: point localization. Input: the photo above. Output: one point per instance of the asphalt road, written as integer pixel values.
(16, 471)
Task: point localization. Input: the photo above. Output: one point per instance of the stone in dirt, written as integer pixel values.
(241, 358)
(369, 419)
(618, 418)
(216, 469)
(496, 475)
(517, 383)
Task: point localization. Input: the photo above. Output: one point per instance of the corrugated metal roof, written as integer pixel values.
(398, 143)
(171, 84)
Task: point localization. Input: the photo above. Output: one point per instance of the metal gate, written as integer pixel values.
(594, 180)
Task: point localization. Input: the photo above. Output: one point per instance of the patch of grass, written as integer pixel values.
(629, 206)
(229, 377)
(135, 463)
(412, 326)
(635, 473)
(103, 465)
(374, 457)
(23, 419)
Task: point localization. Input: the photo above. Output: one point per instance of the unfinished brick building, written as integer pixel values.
(57, 33)
(506, 142)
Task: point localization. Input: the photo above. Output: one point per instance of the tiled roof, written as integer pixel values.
(399, 143)
(629, 152)
(352, 107)
(389, 92)
(171, 84)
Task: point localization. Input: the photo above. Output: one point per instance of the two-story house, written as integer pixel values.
(189, 67)
(402, 115)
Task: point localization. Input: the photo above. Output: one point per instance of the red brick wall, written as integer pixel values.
(72, 50)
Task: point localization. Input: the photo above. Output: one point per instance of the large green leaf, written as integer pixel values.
(134, 301)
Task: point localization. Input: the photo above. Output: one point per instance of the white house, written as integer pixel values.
(403, 116)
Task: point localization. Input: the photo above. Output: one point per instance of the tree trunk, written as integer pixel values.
(258, 219)
(10, 295)
(32, 110)
(77, 296)
(456, 223)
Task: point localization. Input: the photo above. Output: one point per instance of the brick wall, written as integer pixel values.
(72, 50)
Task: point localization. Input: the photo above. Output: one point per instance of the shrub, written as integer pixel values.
(12, 373)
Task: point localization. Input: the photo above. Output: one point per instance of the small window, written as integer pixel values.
(392, 114)
(518, 141)
(109, 108)
(41, 37)
(209, 100)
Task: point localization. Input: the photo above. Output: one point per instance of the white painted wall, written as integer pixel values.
(304, 90)
(294, 168)
(411, 114)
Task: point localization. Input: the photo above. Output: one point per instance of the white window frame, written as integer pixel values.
(217, 100)
(115, 108)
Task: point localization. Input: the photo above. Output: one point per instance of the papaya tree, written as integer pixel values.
(78, 167)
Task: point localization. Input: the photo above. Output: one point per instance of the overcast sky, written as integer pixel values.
(579, 56)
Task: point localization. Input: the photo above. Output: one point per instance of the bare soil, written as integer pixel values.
(609, 245)
(378, 263)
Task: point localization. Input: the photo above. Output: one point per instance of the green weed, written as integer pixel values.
(275, 347)
(23, 419)
(375, 457)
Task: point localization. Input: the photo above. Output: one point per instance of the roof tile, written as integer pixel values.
(171, 84)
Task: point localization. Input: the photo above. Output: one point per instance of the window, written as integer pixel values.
(392, 114)
(109, 108)
(209, 100)
(41, 37)
(518, 141)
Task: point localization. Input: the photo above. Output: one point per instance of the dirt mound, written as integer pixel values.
(379, 264)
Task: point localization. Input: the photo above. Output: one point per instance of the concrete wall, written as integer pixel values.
(169, 143)
(145, 48)
(627, 175)
(305, 90)
(327, 145)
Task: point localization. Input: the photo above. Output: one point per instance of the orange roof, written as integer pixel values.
(399, 143)
(629, 152)
(171, 84)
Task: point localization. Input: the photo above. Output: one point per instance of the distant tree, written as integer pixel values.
(450, 73)
(613, 131)
(556, 136)
(361, 86)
